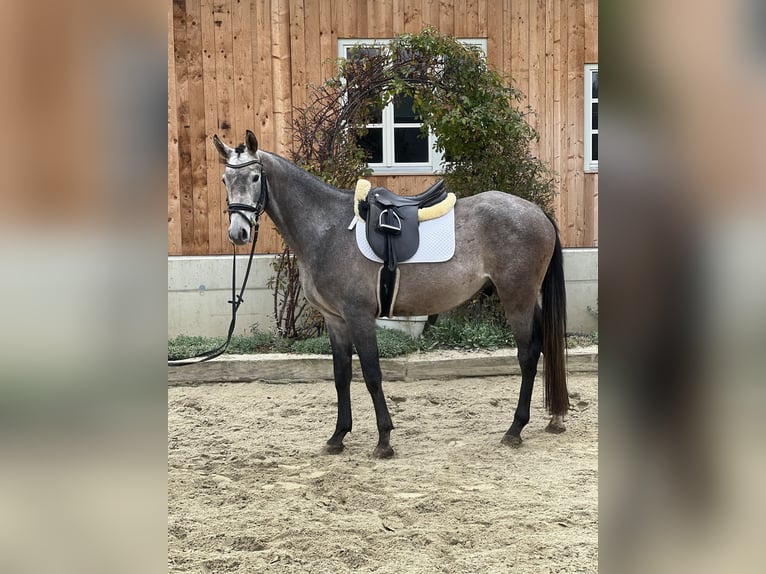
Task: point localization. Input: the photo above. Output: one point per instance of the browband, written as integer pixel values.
(251, 162)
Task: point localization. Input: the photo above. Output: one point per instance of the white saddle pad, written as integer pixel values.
(437, 241)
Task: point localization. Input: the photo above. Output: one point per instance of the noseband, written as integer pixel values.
(244, 209)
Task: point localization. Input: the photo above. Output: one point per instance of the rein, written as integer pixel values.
(236, 298)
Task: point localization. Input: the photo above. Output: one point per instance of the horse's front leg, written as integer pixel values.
(340, 340)
(366, 344)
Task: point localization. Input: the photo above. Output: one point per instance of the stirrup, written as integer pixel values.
(388, 227)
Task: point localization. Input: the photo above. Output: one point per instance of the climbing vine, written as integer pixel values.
(476, 116)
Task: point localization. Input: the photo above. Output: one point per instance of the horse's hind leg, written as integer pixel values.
(528, 334)
(340, 340)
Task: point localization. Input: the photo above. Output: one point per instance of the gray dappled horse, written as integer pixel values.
(500, 239)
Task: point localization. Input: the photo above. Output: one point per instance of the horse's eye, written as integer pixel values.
(256, 177)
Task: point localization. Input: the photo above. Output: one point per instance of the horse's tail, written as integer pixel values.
(554, 316)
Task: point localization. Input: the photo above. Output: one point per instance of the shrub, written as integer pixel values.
(454, 332)
(393, 343)
(185, 346)
(313, 345)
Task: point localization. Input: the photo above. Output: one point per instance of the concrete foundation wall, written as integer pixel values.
(581, 275)
(199, 288)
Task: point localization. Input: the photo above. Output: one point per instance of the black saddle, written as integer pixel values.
(391, 221)
(392, 229)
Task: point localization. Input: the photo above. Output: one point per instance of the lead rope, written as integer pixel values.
(235, 302)
(236, 299)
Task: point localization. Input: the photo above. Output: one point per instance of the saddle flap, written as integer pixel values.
(393, 228)
(399, 231)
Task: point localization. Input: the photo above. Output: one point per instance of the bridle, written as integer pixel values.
(260, 205)
(252, 213)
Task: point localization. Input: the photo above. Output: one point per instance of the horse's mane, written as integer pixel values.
(303, 174)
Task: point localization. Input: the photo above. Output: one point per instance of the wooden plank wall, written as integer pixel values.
(239, 64)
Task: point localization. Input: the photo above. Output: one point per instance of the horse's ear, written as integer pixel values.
(223, 150)
(251, 142)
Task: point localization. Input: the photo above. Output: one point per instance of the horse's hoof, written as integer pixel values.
(383, 452)
(555, 427)
(333, 448)
(511, 441)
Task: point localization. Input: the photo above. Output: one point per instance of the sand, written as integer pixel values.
(249, 489)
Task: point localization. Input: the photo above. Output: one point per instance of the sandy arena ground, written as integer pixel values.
(250, 491)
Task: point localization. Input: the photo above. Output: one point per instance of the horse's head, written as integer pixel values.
(246, 187)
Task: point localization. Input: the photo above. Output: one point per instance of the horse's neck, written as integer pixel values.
(301, 207)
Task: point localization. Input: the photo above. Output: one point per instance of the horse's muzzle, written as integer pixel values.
(239, 232)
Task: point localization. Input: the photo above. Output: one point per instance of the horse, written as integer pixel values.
(500, 239)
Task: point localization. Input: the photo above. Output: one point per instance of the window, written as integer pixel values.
(591, 117)
(394, 142)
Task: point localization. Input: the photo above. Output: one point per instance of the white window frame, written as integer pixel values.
(591, 165)
(389, 166)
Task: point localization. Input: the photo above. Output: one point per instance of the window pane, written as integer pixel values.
(594, 115)
(594, 147)
(594, 84)
(410, 146)
(361, 51)
(403, 113)
(372, 143)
